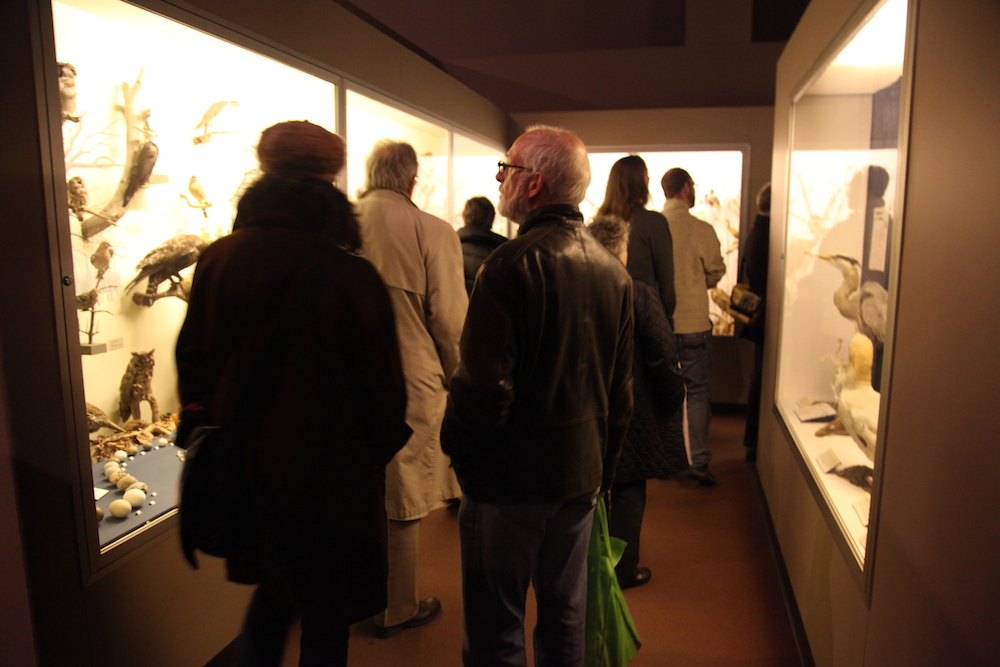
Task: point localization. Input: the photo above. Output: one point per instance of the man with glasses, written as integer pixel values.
(538, 408)
(698, 265)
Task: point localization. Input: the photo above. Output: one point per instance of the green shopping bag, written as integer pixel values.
(612, 640)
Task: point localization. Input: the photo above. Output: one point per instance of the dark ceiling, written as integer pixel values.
(568, 55)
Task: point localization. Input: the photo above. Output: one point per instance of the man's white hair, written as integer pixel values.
(561, 157)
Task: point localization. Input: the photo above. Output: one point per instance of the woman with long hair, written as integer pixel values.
(650, 246)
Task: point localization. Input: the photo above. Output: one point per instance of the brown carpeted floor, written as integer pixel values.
(714, 600)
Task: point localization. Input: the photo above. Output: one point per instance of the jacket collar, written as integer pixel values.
(551, 214)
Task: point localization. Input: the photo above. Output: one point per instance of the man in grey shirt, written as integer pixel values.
(698, 265)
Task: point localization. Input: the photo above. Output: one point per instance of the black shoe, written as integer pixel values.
(642, 576)
(429, 608)
(702, 475)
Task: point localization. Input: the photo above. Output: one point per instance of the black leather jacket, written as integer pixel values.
(542, 397)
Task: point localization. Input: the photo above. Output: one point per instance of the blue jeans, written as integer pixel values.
(695, 354)
(506, 546)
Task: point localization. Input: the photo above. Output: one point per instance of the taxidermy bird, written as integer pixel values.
(163, 263)
(858, 476)
(865, 304)
(98, 419)
(198, 192)
(206, 119)
(142, 169)
(87, 300)
(77, 191)
(858, 404)
(67, 92)
(101, 259)
(137, 386)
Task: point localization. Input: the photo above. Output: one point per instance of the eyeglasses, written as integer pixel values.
(502, 167)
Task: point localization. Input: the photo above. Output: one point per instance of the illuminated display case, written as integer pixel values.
(719, 175)
(159, 146)
(845, 177)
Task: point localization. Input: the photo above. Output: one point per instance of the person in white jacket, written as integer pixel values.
(698, 265)
(419, 258)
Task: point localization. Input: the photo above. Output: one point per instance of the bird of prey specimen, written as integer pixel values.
(164, 263)
(77, 191)
(137, 386)
(98, 419)
(865, 304)
(142, 169)
(858, 476)
(858, 403)
(101, 259)
(67, 92)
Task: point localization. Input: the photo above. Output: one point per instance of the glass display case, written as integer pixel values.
(159, 124)
(846, 175)
(369, 120)
(719, 177)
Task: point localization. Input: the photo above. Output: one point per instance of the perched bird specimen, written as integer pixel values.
(164, 263)
(858, 405)
(77, 191)
(864, 304)
(101, 259)
(67, 92)
(137, 386)
(98, 419)
(142, 169)
(205, 123)
(197, 191)
(87, 300)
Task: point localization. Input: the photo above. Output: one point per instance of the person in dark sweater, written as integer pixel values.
(654, 442)
(478, 241)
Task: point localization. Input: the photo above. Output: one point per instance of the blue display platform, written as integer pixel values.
(160, 469)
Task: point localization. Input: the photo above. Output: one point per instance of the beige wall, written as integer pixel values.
(703, 127)
(932, 561)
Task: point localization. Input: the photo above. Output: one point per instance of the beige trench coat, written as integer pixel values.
(419, 258)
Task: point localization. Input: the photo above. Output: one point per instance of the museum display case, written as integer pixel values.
(158, 147)
(845, 169)
(720, 176)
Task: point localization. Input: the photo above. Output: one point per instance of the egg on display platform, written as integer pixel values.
(121, 455)
(162, 442)
(131, 450)
(125, 482)
(100, 514)
(116, 475)
(135, 497)
(147, 445)
(120, 508)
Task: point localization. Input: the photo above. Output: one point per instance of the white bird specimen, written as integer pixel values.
(858, 405)
(865, 304)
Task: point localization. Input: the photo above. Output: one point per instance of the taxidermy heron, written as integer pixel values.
(858, 404)
(164, 263)
(865, 304)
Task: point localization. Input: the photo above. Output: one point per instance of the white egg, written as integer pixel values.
(121, 455)
(120, 508)
(135, 497)
(162, 442)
